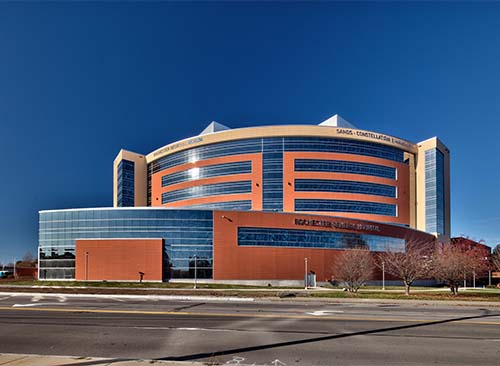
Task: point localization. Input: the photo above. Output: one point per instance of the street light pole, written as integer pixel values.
(86, 266)
(489, 277)
(306, 285)
(195, 270)
(383, 276)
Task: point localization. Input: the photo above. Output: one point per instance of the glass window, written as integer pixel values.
(344, 186)
(241, 167)
(341, 166)
(319, 205)
(125, 178)
(57, 243)
(271, 237)
(434, 191)
(207, 190)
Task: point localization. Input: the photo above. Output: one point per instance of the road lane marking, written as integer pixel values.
(38, 296)
(324, 312)
(36, 304)
(248, 315)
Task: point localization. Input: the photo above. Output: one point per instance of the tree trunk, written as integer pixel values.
(407, 289)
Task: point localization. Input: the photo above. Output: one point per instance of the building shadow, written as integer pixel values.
(196, 356)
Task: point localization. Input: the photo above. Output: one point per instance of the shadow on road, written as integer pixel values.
(197, 356)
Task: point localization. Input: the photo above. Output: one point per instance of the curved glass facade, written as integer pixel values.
(344, 186)
(374, 208)
(341, 166)
(272, 150)
(242, 205)
(292, 238)
(218, 170)
(207, 190)
(186, 233)
(256, 145)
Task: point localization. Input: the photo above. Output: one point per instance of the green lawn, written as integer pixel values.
(367, 292)
(138, 285)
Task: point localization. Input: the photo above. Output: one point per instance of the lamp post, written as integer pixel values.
(306, 284)
(86, 266)
(195, 270)
(383, 276)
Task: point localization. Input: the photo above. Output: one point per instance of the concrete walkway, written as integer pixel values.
(9, 359)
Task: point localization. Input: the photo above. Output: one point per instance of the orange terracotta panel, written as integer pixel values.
(119, 259)
(255, 177)
(402, 183)
(232, 262)
(257, 182)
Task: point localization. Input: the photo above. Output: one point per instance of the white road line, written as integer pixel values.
(324, 312)
(191, 329)
(36, 304)
(62, 298)
(38, 296)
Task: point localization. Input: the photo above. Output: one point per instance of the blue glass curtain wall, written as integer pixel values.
(434, 191)
(125, 180)
(186, 233)
(272, 150)
(374, 208)
(344, 186)
(341, 166)
(292, 238)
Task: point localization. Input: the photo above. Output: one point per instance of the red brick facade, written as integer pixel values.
(119, 259)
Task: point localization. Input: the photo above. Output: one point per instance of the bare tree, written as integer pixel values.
(411, 265)
(495, 258)
(28, 257)
(452, 264)
(354, 267)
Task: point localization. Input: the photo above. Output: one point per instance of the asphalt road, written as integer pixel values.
(295, 332)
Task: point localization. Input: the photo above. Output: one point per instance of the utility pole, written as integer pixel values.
(86, 266)
(195, 270)
(383, 276)
(306, 280)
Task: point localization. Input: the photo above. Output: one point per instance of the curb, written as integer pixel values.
(45, 360)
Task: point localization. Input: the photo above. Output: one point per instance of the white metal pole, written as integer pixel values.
(489, 277)
(195, 270)
(306, 285)
(474, 279)
(86, 266)
(383, 276)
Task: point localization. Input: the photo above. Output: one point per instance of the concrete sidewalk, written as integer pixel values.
(10, 359)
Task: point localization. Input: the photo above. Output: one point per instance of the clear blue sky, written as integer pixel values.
(79, 81)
